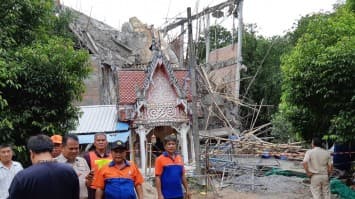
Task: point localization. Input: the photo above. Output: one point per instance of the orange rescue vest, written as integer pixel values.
(96, 163)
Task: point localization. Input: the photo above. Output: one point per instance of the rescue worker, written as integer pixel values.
(120, 179)
(57, 145)
(96, 159)
(170, 172)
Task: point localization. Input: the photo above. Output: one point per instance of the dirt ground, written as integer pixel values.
(232, 194)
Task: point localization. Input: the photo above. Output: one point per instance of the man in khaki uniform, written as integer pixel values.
(70, 152)
(317, 163)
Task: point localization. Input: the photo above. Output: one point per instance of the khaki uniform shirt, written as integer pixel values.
(318, 160)
(82, 170)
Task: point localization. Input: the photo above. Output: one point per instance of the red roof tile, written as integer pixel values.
(128, 81)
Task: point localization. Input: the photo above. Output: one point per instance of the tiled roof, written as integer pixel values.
(181, 78)
(129, 80)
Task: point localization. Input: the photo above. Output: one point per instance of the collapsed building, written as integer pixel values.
(149, 82)
(138, 72)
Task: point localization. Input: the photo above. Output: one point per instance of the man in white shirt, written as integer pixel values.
(318, 166)
(8, 169)
(70, 152)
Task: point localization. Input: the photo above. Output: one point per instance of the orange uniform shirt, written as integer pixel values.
(111, 171)
(171, 171)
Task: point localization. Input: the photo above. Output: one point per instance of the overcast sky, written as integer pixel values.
(273, 17)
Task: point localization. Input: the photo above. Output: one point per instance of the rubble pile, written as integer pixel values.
(254, 146)
(258, 147)
(249, 144)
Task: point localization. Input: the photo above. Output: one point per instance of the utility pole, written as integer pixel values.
(192, 67)
(207, 36)
(181, 50)
(239, 52)
(200, 14)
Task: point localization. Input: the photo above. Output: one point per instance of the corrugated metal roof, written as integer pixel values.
(98, 118)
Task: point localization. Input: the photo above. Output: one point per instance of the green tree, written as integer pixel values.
(262, 80)
(318, 86)
(41, 74)
(219, 37)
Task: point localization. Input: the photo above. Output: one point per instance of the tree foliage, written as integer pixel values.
(219, 37)
(262, 79)
(318, 86)
(41, 74)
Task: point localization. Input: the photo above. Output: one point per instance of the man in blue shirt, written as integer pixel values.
(45, 178)
(170, 172)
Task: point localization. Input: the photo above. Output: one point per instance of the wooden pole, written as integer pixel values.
(192, 67)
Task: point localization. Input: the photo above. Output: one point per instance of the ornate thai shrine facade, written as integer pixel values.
(148, 85)
(154, 101)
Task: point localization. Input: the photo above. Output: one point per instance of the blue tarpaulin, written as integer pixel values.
(122, 132)
(122, 126)
(111, 137)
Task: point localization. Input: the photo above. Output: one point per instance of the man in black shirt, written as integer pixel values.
(45, 178)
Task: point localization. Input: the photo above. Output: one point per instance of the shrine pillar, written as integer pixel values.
(184, 128)
(192, 147)
(142, 132)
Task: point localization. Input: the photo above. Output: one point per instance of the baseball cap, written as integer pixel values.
(118, 145)
(56, 139)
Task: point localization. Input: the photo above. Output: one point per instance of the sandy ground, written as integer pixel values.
(232, 194)
(292, 191)
(265, 187)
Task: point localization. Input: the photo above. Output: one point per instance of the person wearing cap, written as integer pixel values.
(46, 178)
(8, 169)
(96, 159)
(120, 179)
(170, 172)
(57, 145)
(70, 152)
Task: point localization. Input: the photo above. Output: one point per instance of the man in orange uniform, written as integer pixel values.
(96, 159)
(120, 178)
(170, 173)
(57, 145)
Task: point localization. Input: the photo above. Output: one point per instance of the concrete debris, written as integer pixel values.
(126, 48)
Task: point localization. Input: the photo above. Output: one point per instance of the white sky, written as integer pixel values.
(273, 17)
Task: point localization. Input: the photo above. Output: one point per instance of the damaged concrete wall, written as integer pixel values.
(111, 49)
(217, 89)
(91, 95)
(139, 36)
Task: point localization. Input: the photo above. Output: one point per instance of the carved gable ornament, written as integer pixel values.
(161, 100)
